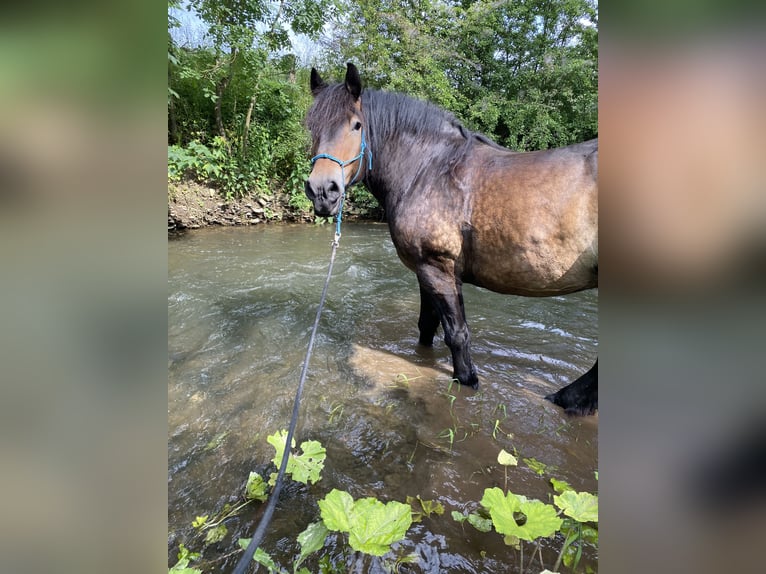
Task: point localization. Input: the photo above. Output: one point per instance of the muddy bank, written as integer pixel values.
(192, 205)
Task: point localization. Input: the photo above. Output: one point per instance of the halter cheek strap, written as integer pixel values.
(363, 149)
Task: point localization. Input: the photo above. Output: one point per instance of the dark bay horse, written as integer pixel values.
(460, 208)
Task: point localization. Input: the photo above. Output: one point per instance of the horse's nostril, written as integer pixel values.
(309, 190)
(333, 186)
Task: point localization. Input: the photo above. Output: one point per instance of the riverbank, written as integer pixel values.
(192, 205)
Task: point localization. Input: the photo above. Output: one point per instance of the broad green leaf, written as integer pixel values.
(541, 519)
(507, 459)
(336, 509)
(216, 534)
(502, 504)
(277, 440)
(582, 506)
(256, 487)
(375, 526)
(307, 466)
(372, 525)
(560, 485)
(479, 522)
(312, 539)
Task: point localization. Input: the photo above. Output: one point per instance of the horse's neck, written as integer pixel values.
(400, 161)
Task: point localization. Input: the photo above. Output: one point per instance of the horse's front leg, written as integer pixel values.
(439, 284)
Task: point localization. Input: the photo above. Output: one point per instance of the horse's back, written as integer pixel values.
(534, 220)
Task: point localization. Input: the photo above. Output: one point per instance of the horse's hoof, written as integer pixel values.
(573, 405)
(471, 381)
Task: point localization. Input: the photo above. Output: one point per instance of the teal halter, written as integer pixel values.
(360, 156)
(364, 148)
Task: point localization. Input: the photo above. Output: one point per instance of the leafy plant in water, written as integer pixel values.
(424, 508)
(184, 557)
(305, 467)
(580, 522)
(371, 525)
(519, 519)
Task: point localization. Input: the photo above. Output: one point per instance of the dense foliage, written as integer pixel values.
(524, 72)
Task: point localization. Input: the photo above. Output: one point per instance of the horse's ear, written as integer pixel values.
(317, 83)
(353, 81)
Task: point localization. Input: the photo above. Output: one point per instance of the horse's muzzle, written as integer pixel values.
(325, 196)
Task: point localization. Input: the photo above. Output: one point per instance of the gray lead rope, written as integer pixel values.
(247, 557)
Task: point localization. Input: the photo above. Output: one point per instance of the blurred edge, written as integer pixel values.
(682, 306)
(82, 216)
(83, 312)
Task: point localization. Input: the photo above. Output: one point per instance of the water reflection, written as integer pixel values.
(240, 307)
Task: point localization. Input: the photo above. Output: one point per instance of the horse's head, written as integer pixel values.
(339, 145)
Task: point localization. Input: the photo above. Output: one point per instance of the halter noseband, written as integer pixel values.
(364, 148)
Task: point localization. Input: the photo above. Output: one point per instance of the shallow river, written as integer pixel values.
(241, 304)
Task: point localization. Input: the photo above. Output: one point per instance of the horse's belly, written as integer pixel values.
(536, 272)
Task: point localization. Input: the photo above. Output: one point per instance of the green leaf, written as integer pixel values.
(582, 506)
(307, 467)
(541, 519)
(495, 499)
(312, 539)
(304, 467)
(536, 465)
(560, 486)
(458, 516)
(372, 525)
(200, 521)
(479, 522)
(336, 509)
(421, 508)
(260, 556)
(507, 459)
(216, 534)
(182, 566)
(277, 440)
(256, 487)
(375, 526)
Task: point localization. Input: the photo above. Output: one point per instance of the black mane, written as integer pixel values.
(390, 113)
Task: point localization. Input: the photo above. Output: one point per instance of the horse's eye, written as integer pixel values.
(357, 126)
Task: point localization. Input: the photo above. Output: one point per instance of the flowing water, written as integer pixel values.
(241, 305)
